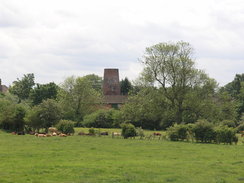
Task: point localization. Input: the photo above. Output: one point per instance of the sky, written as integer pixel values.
(55, 39)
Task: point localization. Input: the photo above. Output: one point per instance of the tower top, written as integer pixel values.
(111, 84)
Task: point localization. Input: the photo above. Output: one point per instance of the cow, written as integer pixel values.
(115, 134)
(157, 134)
(104, 133)
(41, 135)
(54, 134)
(62, 135)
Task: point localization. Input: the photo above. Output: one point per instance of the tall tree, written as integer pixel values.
(171, 66)
(78, 98)
(11, 115)
(95, 81)
(44, 115)
(22, 87)
(236, 90)
(42, 92)
(125, 86)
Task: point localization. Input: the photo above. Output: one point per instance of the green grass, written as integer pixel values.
(82, 159)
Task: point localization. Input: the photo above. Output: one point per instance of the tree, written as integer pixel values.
(236, 90)
(66, 126)
(42, 92)
(171, 66)
(78, 98)
(95, 81)
(44, 115)
(12, 115)
(147, 109)
(22, 87)
(125, 86)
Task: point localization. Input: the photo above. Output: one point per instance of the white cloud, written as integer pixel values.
(58, 38)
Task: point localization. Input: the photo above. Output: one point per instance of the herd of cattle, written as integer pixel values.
(54, 132)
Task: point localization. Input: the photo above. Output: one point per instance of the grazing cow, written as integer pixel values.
(115, 134)
(54, 134)
(13, 133)
(48, 135)
(104, 133)
(157, 134)
(41, 135)
(63, 135)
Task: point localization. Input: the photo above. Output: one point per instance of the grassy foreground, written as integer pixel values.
(81, 159)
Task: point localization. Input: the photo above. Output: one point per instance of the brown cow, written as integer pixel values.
(62, 135)
(157, 134)
(41, 135)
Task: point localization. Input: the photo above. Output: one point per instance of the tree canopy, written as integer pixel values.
(171, 66)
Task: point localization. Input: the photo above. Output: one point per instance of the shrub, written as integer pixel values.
(225, 135)
(140, 132)
(92, 131)
(204, 131)
(128, 130)
(172, 133)
(66, 126)
(177, 132)
(99, 119)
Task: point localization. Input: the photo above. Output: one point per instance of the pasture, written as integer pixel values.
(84, 159)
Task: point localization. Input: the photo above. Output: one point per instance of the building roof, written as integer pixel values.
(115, 99)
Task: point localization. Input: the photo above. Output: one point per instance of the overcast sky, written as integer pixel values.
(55, 39)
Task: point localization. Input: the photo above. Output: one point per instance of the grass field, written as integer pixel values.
(82, 159)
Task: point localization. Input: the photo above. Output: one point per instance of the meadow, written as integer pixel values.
(84, 159)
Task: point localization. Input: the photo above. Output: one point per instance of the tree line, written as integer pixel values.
(170, 90)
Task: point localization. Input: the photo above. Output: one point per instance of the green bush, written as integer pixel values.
(177, 132)
(140, 132)
(204, 131)
(92, 131)
(66, 126)
(225, 135)
(128, 130)
(101, 119)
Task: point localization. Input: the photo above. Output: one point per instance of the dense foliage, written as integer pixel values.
(128, 130)
(102, 118)
(66, 126)
(204, 132)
